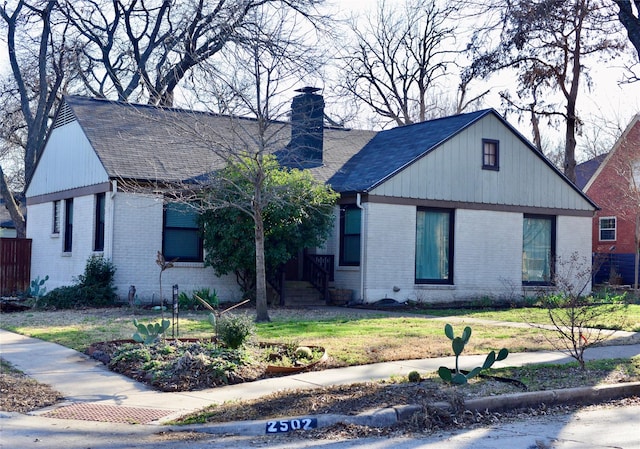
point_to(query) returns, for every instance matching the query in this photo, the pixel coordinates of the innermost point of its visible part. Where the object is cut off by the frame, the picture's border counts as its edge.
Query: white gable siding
(453, 172)
(68, 162)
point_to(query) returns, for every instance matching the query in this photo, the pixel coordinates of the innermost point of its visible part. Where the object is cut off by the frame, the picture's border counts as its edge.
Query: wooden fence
(15, 266)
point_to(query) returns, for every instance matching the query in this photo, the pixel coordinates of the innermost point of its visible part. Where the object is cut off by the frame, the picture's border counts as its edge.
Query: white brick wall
(137, 240)
(390, 251)
(133, 236)
(47, 256)
(487, 254)
(574, 250)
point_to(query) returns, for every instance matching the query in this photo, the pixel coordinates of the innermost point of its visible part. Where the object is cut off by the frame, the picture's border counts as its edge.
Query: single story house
(612, 180)
(455, 208)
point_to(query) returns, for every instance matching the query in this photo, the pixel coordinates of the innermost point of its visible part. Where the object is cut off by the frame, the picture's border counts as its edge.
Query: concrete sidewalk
(92, 392)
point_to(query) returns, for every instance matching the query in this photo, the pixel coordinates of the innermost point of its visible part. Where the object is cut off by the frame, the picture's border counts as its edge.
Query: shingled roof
(391, 150)
(586, 170)
(148, 143)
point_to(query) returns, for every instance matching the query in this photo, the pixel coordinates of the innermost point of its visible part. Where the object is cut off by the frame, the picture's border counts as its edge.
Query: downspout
(363, 245)
(114, 191)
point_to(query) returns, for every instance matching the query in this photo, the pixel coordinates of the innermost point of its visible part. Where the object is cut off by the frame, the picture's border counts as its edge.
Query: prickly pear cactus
(151, 332)
(457, 344)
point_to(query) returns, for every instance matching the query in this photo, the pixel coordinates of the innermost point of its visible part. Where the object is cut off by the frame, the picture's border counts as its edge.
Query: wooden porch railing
(318, 270)
(276, 280)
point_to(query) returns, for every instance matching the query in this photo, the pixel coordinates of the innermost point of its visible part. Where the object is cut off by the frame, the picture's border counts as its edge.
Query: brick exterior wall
(487, 255)
(133, 236)
(611, 190)
(608, 189)
(47, 256)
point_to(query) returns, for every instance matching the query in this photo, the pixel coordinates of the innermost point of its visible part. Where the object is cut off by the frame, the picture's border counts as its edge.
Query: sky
(607, 100)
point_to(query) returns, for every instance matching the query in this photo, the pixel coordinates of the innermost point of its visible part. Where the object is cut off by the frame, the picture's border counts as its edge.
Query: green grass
(627, 319)
(550, 376)
(350, 338)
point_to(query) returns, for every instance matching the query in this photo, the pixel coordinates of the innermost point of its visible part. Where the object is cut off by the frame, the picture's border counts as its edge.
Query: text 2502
(288, 425)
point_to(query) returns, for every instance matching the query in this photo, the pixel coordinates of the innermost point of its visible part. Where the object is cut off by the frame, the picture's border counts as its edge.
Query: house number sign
(288, 425)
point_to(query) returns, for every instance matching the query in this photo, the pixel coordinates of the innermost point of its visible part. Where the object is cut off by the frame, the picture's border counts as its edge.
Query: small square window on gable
(490, 154)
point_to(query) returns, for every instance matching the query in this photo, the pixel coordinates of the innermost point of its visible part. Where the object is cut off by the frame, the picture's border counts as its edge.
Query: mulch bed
(187, 364)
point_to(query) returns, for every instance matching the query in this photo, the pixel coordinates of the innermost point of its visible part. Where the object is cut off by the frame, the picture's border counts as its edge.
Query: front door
(293, 269)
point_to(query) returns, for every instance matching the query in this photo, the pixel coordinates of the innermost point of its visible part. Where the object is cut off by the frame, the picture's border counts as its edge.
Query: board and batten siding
(453, 172)
(69, 162)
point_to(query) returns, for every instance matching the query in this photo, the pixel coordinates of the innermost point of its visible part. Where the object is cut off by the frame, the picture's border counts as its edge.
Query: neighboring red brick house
(614, 185)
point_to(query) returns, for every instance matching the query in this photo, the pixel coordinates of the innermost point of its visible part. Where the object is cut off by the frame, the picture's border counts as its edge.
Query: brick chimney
(307, 128)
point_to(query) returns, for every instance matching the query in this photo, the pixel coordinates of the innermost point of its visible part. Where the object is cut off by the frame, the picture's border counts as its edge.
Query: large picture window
(434, 246)
(181, 238)
(350, 219)
(98, 238)
(538, 249)
(68, 225)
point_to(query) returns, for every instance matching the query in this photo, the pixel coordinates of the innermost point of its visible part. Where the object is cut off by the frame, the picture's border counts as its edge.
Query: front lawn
(627, 319)
(350, 336)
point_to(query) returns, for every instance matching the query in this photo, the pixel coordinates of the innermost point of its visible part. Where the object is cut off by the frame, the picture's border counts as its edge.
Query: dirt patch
(19, 393)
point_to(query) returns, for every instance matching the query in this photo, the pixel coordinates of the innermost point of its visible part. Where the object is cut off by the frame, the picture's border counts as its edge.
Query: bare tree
(628, 16)
(261, 73)
(575, 317)
(138, 50)
(547, 43)
(398, 59)
(144, 48)
(37, 56)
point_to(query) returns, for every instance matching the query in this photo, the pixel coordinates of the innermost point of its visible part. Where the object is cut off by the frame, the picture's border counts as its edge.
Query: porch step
(302, 293)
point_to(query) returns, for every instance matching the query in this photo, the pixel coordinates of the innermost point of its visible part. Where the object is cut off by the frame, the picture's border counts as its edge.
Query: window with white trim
(607, 229)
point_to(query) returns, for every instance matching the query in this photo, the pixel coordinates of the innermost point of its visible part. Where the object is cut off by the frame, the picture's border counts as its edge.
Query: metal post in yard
(175, 331)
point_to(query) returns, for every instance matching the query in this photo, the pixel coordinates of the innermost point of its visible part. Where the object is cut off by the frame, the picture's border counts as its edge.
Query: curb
(386, 417)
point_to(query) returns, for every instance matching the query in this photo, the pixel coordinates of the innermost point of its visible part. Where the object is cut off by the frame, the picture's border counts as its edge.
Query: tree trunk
(630, 22)
(570, 144)
(637, 255)
(572, 120)
(262, 314)
(14, 210)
